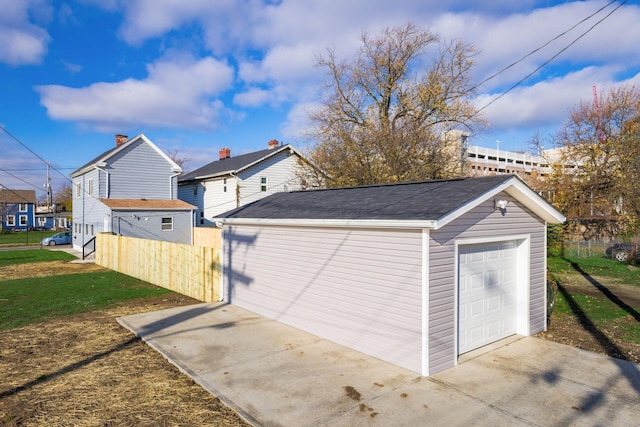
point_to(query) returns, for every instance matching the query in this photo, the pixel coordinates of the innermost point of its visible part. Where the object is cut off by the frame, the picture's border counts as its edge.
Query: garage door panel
(487, 294)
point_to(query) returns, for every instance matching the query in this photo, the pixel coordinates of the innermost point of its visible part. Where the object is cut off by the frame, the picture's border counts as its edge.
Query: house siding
(87, 209)
(482, 222)
(148, 225)
(358, 287)
(280, 171)
(212, 199)
(126, 167)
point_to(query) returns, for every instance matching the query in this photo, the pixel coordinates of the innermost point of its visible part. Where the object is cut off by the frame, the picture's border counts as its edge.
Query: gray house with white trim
(131, 190)
(415, 274)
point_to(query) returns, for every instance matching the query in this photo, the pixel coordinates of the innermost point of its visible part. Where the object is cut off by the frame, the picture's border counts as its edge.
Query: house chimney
(120, 139)
(273, 144)
(225, 153)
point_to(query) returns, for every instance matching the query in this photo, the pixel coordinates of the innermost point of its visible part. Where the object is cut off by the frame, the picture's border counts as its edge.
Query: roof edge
(301, 222)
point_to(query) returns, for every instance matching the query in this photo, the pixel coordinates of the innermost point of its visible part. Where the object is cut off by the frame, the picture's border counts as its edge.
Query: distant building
(17, 209)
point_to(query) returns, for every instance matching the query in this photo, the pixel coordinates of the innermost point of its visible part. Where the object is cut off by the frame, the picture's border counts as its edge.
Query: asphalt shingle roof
(230, 164)
(17, 196)
(428, 200)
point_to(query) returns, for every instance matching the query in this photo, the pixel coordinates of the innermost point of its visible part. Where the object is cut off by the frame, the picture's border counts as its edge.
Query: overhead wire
(554, 56)
(544, 45)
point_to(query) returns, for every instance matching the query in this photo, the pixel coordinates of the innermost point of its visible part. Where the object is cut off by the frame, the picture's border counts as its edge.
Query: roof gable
(234, 165)
(104, 157)
(428, 204)
(17, 196)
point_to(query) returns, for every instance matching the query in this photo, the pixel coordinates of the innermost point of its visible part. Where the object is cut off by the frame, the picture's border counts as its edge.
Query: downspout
(237, 189)
(107, 183)
(171, 184)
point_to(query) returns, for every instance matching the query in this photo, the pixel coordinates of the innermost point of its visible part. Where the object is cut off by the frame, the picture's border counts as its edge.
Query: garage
(414, 274)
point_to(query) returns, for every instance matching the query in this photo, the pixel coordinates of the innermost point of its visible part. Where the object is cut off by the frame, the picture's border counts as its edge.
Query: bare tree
(600, 159)
(384, 113)
(178, 158)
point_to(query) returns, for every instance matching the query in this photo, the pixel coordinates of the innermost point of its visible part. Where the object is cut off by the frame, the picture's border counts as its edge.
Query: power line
(32, 152)
(545, 45)
(20, 179)
(553, 57)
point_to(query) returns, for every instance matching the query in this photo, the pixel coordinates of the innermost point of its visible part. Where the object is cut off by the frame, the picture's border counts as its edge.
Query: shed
(415, 274)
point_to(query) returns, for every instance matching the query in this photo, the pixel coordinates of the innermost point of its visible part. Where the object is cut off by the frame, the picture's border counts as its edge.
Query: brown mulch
(87, 370)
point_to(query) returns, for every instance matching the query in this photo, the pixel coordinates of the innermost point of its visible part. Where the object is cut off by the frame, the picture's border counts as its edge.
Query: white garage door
(487, 294)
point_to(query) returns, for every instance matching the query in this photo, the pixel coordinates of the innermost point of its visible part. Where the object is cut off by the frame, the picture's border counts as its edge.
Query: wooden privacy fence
(195, 271)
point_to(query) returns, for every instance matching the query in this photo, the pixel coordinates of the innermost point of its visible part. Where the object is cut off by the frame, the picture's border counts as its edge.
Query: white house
(231, 182)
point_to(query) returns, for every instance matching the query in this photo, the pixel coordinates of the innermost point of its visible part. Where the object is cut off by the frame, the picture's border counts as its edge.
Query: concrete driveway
(275, 375)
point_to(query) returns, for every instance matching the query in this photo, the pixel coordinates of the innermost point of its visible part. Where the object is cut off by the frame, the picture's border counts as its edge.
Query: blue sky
(198, 75)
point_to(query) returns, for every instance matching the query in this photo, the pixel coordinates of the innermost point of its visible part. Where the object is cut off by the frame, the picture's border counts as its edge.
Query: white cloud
(22, 42)
(546, 102)
(178, 92)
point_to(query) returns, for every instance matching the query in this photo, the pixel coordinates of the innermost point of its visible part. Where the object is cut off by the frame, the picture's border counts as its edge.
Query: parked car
(623, 252)
(62, 238)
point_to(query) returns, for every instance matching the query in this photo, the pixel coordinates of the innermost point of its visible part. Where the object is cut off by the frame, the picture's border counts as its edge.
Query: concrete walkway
(275, 375)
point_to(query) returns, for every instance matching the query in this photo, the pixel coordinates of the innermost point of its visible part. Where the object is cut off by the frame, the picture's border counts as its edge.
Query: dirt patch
(87, 370)
(49, 268)
(583, 333)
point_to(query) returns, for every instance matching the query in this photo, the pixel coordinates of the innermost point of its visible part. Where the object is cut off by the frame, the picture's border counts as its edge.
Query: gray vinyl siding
(139, 171)
(357, 287)
(88, 210)
(482, 222)
(148, 225)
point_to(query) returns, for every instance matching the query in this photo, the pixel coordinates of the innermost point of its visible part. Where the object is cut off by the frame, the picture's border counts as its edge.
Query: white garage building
(414, 274)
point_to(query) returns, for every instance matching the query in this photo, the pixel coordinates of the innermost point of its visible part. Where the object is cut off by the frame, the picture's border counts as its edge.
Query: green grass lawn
(594, 266)
(24, 238)
(601, 311)
(32, 255)
(25, 301)
(31, 300)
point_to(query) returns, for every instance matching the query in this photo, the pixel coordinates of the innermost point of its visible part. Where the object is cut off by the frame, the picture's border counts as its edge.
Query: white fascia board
(214, 175)
(357, 223)
(101, 162)
(174, 166)
(271, 154)
(536, 203)
(518, 190)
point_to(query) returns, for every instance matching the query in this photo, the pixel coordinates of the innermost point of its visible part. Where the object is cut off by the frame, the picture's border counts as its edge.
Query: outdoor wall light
(500, 204)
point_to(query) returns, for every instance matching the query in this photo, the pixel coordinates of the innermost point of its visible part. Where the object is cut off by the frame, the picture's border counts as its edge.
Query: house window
(92, 231)
(201, 217)
(41, 221)
(62, 223)
(167, 224)
(11, 221)
(23, 220)
(77, 189)
(224, 185)
(90, 187)
(263, 183)
(86, 229)
(23, 207)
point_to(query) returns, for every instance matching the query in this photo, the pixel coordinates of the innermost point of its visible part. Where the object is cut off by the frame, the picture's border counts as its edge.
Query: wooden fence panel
(209, 237)
(195, 271)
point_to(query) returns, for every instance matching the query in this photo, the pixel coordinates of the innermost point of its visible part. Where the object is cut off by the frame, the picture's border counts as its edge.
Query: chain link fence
(618, 250)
